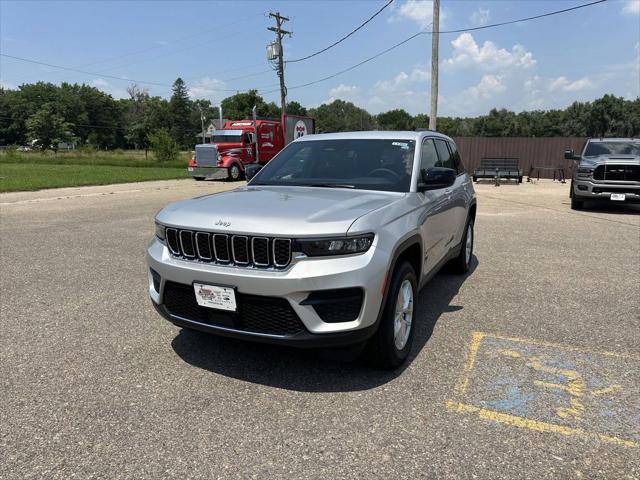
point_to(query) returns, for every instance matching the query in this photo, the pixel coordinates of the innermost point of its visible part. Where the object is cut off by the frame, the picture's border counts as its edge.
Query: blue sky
(219, 47)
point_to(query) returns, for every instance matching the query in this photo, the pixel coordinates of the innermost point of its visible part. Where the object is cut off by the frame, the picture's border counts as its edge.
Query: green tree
(240, 105)
(164, 146)
(136, 129)
(208, 112)
(294, 108)
(397, 119)
(341, 116)
(48, 128)
(181, 128)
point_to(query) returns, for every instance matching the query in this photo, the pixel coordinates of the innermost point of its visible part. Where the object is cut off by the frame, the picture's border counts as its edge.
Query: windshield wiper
(331, 185)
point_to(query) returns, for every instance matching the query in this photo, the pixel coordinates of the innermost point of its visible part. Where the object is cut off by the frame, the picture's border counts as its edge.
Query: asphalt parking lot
(529, 367)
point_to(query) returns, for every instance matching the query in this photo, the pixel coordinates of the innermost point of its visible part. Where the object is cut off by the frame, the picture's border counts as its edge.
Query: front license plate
(190, 169)
(618, 196)
(211, 296)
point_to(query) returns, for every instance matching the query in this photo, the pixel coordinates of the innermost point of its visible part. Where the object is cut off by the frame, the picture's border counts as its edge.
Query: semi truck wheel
(234, 172)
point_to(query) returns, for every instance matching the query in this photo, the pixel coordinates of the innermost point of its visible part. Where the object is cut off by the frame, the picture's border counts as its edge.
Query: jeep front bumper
(293, 285)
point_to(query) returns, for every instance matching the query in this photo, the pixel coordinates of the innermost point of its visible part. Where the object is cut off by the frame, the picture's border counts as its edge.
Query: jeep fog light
(335, 246)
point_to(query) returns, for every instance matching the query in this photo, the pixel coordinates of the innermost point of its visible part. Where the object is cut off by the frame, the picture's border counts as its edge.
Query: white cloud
(418, 11)
(467, 53)
(7, 85)
(631, 7)
(480, 17)
(343, 90)
(100, 83)
(562, 83)
(406, 90)
(489, 86)
(116, 91)
(207, 87)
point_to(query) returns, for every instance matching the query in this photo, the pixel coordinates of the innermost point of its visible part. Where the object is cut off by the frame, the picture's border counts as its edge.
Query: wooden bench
(496, 168)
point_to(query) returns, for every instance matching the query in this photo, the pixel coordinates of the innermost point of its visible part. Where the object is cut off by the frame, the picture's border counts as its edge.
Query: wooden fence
(539, 152)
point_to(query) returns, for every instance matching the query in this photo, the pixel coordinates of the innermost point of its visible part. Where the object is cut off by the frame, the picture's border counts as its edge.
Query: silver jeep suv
(327, 245)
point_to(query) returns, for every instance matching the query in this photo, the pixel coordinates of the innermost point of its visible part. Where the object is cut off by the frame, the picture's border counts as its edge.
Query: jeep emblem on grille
(222, 223)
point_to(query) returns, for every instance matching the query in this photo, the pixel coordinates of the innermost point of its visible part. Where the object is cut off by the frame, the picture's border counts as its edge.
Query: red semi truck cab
(241, 142)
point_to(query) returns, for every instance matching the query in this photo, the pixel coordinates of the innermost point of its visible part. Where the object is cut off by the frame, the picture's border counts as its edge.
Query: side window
(445, 156)
(457, 161)
(428, 155)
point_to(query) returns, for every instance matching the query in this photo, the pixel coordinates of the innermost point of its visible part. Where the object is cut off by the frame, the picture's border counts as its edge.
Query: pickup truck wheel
(391, 344)
(576, 204)
(234, 172)
(462, 262)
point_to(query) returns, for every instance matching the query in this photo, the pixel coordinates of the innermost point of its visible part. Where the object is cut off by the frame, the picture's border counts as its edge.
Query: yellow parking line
(534, 425)
(559, 345)
(476, 339)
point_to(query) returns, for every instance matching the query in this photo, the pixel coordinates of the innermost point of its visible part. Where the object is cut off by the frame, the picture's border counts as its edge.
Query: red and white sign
(300, 130)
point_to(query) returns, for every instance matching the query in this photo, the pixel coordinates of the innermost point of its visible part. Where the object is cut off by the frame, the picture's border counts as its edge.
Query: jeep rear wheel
(462, 263)
(390, 346)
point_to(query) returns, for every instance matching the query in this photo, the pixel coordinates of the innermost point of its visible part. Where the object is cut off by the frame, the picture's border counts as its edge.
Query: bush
(87, 149)
(163, 146)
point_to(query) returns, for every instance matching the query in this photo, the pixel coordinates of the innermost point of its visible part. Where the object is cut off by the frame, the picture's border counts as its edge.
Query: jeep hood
(276, 211)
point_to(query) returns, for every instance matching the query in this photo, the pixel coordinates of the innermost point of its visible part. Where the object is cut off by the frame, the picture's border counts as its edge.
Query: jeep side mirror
(570, 155)
(435, 178)
(251, 170)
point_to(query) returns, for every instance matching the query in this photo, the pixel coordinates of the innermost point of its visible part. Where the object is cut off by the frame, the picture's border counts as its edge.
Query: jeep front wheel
(391, 344)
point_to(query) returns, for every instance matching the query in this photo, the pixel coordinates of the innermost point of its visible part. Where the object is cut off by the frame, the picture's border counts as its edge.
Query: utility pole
(280, 58)
(433, 113)
(202, 119)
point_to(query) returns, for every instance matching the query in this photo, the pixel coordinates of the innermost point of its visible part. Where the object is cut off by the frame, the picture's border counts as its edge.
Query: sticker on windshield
(402, 145)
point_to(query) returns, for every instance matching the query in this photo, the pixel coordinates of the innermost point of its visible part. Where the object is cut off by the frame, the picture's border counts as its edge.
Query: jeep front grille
(624, 173)
(240, 250)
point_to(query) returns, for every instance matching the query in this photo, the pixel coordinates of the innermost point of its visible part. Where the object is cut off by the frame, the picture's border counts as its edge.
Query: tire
(462, 263)
(576, 204)
(519, 179)
(475, 179)
(198, 179)
(234, 172)
(387, 348)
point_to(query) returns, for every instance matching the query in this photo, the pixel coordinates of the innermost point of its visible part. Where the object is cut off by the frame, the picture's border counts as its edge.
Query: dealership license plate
(618, 196)
(211, 296)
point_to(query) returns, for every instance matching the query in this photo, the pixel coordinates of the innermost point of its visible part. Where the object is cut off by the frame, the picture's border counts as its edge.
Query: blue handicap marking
(552, 387)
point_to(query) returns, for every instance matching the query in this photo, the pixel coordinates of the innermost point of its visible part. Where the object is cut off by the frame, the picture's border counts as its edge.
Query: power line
(423, 32)
(178, 40)
(343, 38)
(509, 22)
(94, 74)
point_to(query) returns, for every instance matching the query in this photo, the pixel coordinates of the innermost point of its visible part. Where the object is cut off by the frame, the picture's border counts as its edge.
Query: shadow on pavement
(620, 208)
(313, 370)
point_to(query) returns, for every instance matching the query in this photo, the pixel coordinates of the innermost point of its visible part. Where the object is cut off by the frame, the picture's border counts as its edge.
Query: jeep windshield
(612, 148)
(384, 165)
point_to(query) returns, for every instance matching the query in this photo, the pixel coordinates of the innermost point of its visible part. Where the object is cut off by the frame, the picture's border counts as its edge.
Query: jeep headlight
(160, 232)
(335, 246)
(585, 172)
